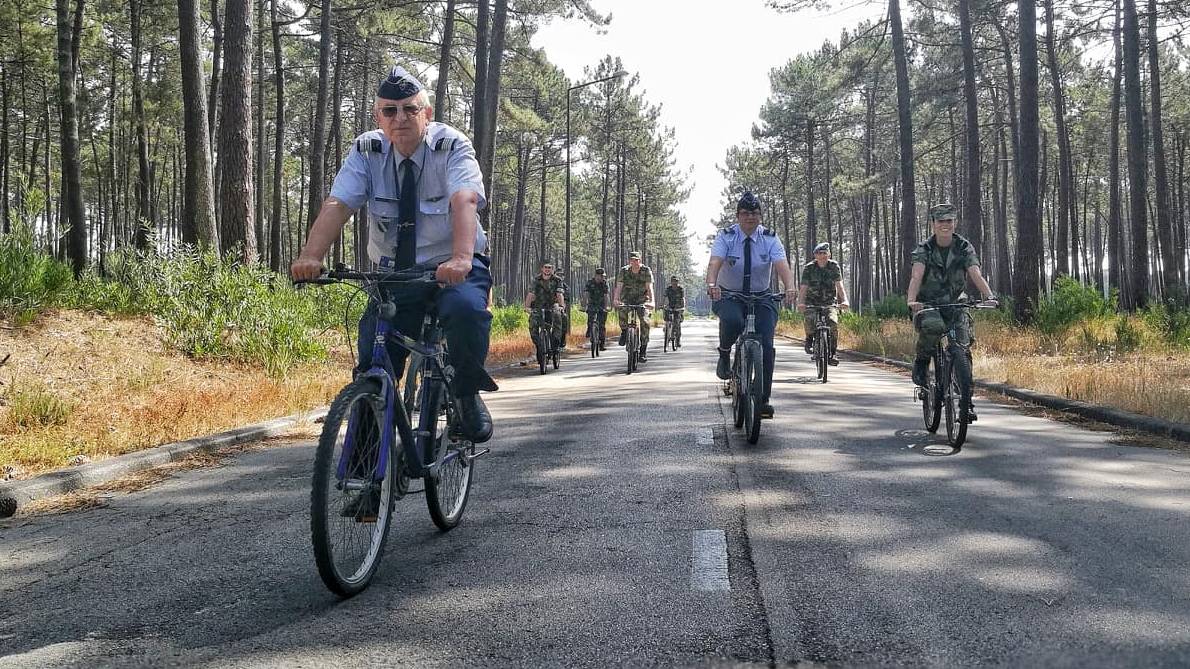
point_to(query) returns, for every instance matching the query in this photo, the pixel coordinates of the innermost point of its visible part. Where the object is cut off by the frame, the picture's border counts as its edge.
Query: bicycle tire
(633, 343)
(960, 397)
(739, 404)
(448, 492)
(677, 335)
(539, 344)
(931, 401)
(554, 357)
(823, 355)
(754, 377)
(330, 521)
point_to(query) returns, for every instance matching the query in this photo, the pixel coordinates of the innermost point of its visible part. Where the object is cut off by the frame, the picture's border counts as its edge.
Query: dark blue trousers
(732, 319)
(463, 312)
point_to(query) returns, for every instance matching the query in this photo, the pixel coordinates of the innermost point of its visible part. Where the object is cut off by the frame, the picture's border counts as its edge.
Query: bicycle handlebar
(413, 275)
(980, 304)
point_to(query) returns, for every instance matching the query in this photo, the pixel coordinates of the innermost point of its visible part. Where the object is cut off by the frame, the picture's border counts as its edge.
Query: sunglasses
(408, 111)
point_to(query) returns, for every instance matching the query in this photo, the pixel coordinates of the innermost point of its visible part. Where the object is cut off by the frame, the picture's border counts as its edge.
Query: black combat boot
(723, 368)
(643, 350)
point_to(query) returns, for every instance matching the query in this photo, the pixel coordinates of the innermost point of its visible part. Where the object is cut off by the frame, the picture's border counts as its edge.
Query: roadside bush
(509, 320)
(1172, 321)
(30, 280)
(892, 306)
(34, 405)
(1069, 303)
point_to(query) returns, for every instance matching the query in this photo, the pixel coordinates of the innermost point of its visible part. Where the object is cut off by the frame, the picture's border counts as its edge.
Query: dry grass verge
(1153, 381)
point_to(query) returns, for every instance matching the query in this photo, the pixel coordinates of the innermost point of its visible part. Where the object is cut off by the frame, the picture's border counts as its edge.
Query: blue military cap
(398, 85)
(822, 247)
(748, 202)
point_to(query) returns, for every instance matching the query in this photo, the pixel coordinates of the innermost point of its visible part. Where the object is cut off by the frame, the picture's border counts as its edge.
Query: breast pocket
(383, 212)
(732, 260)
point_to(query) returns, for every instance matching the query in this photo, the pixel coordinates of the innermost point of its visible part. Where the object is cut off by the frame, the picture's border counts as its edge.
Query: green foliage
(30, 281)
(34, 405)
(509, 320)
(1172, 321)
(863, 324)
(892, 306)
(1128, 336)
(1071, 302)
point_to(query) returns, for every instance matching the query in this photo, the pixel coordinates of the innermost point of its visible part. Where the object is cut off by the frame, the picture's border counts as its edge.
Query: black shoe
(833, 361)
(971, 417)
(643, 351)
(364, 507)
(475, 419)
(723, 368)
(921, 372)
(602, 346)
(766, 410)
(623, 338)
(809, 346)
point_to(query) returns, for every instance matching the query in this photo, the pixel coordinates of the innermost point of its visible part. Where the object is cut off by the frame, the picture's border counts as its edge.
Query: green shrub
(860, 325)
(892, 306)
(1069, 303)
(1172, 320)
(509, 320)
(1128, 336)
(30, 280)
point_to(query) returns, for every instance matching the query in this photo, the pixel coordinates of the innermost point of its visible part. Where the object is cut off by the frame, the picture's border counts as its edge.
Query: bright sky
(689, 53)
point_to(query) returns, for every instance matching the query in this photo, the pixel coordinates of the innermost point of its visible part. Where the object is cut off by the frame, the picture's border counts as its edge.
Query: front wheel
(754, 380)
(958, 398)
(822, 354)
(666, 339)
(739, 388)
(447, 492)
(351, 494)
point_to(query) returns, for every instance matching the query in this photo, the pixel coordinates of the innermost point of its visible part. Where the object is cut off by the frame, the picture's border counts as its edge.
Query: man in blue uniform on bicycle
(422, 187)
(742, 259)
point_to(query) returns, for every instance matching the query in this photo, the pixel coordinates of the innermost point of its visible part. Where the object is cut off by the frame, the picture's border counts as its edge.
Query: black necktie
(407, 218)
(747, 264)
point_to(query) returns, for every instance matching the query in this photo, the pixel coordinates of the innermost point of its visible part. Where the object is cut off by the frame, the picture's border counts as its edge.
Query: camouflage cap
(822, 247)
(944, 211)
(673, 279)
(600, 271)
(634, 254)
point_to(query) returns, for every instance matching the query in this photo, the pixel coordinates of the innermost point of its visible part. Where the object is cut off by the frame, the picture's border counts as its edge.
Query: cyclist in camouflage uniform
(675, 302)
(634, 285)
(941, 266)
(546, 290)
(595, 303)
(821, 287)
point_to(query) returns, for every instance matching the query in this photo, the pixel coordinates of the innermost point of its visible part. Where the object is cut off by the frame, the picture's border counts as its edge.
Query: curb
(15, 494)
(1118, 417)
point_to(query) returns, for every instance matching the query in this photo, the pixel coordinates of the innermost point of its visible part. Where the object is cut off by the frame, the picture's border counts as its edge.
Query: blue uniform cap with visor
(398, 85)
(748, 202)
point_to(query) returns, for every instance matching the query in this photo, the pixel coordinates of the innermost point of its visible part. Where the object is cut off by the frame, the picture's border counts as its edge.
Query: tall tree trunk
(72, 195)
(198, 211)
(235, 134)
(908, 237)
(318, 138)
(448, 32)
(483, 22)
(278, 141)
(1115, 229)
(261, 136)
(487, 158)
(811, 212)
(144, 223)
(972, 209)
(1169, 260)
(1065, 187)
(1026, 274)
(1137, 159)
(216, 70)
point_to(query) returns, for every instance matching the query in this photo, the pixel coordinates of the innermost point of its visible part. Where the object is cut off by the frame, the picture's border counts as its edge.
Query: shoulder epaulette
(366, 145)
(441, 143)
(770, 233)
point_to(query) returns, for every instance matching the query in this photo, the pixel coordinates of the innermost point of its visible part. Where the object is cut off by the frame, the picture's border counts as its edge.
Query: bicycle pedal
(468, 457)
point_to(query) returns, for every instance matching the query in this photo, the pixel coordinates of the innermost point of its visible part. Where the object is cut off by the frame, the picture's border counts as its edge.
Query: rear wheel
(931, 399)
(350, 500)
(447, 491)
(754, 378)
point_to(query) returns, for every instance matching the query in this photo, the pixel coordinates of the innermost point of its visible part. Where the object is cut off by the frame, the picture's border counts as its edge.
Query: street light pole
(617, 75)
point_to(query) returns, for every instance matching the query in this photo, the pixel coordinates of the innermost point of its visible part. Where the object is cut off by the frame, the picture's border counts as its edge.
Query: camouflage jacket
(675, 296)
(634, 286)
(596, 294)
(820, 282)
(944, 280)
(545, 291)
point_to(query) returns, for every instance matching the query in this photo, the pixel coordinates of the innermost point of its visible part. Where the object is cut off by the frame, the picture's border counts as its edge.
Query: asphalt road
(620, 521)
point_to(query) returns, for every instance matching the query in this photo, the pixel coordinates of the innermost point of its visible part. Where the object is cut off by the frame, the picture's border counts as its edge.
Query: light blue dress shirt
(445, 163)
(729, 245)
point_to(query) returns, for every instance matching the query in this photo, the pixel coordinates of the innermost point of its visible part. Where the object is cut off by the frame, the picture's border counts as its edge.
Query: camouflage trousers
(642, 317)
(811, 320)
(931, 325)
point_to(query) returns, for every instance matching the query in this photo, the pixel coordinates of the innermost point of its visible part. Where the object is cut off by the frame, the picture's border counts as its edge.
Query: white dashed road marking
(708, 569)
